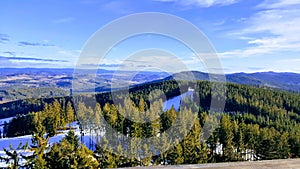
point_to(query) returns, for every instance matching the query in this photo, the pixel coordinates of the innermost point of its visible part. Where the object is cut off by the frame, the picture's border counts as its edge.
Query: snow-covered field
(15, 142)
(5, 120)
(2, 121)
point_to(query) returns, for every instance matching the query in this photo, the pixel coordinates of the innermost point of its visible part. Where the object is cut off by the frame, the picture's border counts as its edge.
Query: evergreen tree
(175, 155)
(104, 155)
(82, 118)
(283, 146)
(69, 113)
(14, 155)
(40, 143)
(68, 153)
(147, 156)
(226, 139)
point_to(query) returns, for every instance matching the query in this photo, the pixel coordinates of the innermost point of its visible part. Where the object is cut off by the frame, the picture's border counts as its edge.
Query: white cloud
(143, 61)
(240, 53)
(201, 3)
(146, 61)
(267, 4)
(275, 28)
(295, 61)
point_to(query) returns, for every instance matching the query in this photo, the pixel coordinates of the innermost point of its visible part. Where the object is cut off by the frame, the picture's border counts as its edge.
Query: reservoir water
(175, 101)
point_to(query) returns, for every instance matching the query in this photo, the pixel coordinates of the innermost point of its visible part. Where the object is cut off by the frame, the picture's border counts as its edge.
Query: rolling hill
(284, 81)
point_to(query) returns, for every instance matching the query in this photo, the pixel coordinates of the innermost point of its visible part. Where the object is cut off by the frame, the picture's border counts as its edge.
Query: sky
(247, 35)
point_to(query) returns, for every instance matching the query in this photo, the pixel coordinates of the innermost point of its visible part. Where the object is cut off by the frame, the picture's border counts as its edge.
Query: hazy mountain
(285, 80)
(37, 82)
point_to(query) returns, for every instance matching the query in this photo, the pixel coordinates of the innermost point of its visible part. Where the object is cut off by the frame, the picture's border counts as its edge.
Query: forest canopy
(256, 124)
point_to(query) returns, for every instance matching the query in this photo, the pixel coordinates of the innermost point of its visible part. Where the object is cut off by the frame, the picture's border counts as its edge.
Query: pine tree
(283, 146)
(59, 115)
(194, 150)
(54, 157)
(85, 159)
(14, 155)
(68, 153)
(40, 143)
(119, 158)
(175, 155)
(97, 121)
(82, 119)
(294, 142)
(268, 138)
(105, 157)
(212, 143)
(147, 155)
(69, 113)
(91, 125)
(164, 146)
(252, 136)
(239, 130)
(226, 138)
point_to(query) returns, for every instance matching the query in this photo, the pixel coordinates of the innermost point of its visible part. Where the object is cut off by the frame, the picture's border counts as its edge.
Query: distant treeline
(32, 92)
(239, 98)
(13, 108)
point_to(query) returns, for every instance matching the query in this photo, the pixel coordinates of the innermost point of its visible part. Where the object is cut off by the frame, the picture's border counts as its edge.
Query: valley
(25, 83)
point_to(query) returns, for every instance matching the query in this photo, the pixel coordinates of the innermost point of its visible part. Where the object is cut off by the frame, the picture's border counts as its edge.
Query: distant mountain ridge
(15, 78)
(285, 80)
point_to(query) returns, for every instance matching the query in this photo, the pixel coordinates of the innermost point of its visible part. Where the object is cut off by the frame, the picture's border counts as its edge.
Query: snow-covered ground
(15, 141)
(2, 121)
(5, 120)
(3, 164)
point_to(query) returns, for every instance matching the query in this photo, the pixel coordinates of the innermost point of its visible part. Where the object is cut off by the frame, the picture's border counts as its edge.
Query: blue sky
(248, 35)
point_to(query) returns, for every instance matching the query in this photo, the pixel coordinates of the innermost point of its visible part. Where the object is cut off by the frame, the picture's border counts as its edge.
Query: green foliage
(14, 155)
(68, 153)
(23, 93)
(53, 117)
(256, 122)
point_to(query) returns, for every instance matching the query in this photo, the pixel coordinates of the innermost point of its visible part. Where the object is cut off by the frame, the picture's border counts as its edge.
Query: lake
(175, 101)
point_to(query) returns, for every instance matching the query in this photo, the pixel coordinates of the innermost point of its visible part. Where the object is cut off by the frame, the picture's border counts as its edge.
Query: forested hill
(240, 98)
(256, 124)
(285, 81)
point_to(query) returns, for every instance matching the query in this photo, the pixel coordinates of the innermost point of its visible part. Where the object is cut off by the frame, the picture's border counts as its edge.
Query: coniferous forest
(255, 124)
